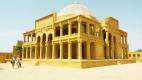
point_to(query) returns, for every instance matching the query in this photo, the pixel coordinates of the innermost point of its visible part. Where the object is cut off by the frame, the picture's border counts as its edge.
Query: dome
(75, 9)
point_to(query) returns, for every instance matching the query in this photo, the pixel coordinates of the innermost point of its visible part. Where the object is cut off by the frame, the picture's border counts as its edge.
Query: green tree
(139, 50)
(18, 49)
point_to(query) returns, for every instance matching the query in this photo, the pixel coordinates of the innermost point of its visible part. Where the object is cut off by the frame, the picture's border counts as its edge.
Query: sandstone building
(135, 55)
(74, 35)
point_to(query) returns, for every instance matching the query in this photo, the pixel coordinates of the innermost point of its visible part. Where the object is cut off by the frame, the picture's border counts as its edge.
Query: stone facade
(75, 34)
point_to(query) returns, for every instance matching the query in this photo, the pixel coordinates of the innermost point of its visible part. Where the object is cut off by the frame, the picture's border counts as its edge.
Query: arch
(43, 45)
(38, 46)
(44, 37)
(110, 46)
(104, 34)
(105, 48)
(50, 38)
(38, 39)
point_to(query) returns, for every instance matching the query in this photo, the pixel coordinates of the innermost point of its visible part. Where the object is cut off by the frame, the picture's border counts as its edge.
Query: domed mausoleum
(75, 38)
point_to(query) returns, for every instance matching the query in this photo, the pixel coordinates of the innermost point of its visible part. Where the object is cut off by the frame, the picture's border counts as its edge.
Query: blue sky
(17, 16)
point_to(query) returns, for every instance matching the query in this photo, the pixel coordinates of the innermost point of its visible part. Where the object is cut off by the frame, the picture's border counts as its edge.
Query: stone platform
(77, 63)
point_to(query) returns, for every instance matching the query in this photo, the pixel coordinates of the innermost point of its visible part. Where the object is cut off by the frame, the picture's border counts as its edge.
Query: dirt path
(28, 72)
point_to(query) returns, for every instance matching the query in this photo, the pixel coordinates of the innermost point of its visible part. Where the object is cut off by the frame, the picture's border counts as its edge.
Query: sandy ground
(28, 72)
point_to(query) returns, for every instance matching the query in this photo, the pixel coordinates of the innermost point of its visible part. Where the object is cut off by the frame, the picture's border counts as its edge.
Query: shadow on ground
(1, 69)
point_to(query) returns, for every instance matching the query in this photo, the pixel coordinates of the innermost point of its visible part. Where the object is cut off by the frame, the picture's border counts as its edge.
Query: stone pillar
(26, 52)
(28, 38)
(69, 28)
(79, 27)
(46, 51)
(53, 51)
(88, 50)
(31, 38)
(35, 51)
(24, 38)
(107, 45)
(112, 48)
(61, 29)
(123, 53)
(69, 50)
(88, 29)
(126, 53)
(23, 52)
(126, 40)
(41, 46)
(31, 48)
(61, 50)
(79, 49)
(123, 40)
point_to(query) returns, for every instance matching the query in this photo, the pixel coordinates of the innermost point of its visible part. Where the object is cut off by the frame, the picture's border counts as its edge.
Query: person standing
(19, 61)
(13, 60)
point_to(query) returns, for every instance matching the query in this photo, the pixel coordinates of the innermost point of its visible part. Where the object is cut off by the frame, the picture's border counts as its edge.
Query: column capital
(69, 22)
(69, 42)
(88, 41)
(80, 41)
(61, 25)
(41, 45)
(78, 19)
(35, 45)
(53, 43)
(61, 42)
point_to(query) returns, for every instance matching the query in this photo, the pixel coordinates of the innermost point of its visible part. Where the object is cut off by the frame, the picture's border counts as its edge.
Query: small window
(129, 55)
(134, 55)
(138, 55)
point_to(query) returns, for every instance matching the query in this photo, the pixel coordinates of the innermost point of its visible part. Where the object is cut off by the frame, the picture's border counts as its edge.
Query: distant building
(4, 56)
(135, 55)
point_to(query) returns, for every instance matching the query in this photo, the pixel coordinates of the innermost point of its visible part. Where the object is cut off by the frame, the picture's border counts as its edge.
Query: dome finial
(75, 2)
